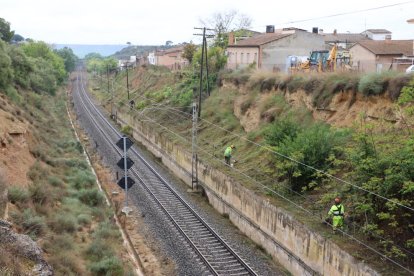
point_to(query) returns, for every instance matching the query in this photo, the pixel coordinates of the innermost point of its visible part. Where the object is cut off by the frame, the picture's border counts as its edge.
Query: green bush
(374, 84)
(55, 181)
(32, 224)
(313, 146)
(91, 197)
(107, 266)
(127, 130)
(18, 194)
(81, 179)
(84, 219)
(106, 231)
(281, 130)
(12, 93)
(98, 250)
(63, 222)
(39, 193)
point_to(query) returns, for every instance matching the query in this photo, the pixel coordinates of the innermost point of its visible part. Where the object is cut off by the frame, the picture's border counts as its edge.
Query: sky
(155, 22)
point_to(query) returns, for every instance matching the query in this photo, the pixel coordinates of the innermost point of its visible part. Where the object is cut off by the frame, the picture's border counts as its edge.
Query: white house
(377, 34)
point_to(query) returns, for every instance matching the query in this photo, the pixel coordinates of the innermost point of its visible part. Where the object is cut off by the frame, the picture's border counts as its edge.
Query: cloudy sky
(154, 22)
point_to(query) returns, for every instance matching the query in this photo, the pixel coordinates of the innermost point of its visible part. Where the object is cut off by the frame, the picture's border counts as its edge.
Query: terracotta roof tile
(389, 47)
(258, 40)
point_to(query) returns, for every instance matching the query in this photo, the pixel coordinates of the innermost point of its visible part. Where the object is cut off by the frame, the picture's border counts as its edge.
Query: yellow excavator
(327, 61)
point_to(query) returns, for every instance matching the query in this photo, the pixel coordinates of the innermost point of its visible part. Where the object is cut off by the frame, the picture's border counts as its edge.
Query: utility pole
(197, 108)
(127, 81)
(194, 160)
(107, 75)
(203, 56)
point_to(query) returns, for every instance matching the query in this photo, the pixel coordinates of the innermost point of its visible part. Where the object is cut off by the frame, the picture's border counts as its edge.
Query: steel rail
(210, 264)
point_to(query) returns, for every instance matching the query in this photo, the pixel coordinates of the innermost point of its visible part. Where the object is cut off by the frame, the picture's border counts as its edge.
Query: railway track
(217, 257)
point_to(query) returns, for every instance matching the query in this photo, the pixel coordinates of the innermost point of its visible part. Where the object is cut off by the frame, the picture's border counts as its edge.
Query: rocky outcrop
(25, 247)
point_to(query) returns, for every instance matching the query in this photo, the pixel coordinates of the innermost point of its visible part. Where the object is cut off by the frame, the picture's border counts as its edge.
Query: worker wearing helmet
(337, 213)
(227, 154)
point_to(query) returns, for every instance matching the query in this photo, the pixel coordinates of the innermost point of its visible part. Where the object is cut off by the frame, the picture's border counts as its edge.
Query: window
(241, 58)
(255, 58)
(248, 58)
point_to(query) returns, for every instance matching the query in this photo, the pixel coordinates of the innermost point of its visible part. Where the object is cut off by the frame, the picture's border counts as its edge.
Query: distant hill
(81, 49)
(137, 50)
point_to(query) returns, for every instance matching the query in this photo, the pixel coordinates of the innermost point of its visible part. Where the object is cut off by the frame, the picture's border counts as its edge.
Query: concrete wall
(274, 54)
(288, 241)
(362, 59)
(241, 57)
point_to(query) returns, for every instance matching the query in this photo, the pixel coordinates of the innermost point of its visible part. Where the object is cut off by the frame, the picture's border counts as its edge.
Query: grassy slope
(62, 208)
(157, 86)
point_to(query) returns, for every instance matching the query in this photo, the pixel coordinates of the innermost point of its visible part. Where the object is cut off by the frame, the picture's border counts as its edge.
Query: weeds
(18, 194)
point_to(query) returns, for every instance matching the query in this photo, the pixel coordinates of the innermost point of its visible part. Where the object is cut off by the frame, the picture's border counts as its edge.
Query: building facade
(270, 51)
(380, 55)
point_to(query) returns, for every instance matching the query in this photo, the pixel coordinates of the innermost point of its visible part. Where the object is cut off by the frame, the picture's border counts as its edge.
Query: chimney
(270, 29)
(231, 38)
(315, 30)
(335, 32)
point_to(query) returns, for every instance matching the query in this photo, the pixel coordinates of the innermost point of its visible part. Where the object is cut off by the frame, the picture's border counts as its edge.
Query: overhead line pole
(197, 108)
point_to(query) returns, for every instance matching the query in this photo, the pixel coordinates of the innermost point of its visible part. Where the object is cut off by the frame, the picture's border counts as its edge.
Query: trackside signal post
(125, 164)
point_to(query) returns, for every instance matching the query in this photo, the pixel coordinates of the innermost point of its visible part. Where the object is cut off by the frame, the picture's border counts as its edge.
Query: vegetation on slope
(61, 207)
(375, 157)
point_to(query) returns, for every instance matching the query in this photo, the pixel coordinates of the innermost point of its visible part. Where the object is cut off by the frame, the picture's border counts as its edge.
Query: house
(343, 40)
(379, 55)
(270, 50)
(171, 58)
(377, 34)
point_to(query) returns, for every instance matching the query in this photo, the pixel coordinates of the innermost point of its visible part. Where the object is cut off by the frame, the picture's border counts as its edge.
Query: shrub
(82, 179)
(281, 130)
(107, 266)
(84, 219)
(106, 231)
(63, 222)
(396, 85)
(91, 197)
(374, 84)
(127, 130)
(17, 194)
(313, 146)
(65, 263)
(99, 249)
(55, 181)
(32, 224)
(37, 172)
(39, 193)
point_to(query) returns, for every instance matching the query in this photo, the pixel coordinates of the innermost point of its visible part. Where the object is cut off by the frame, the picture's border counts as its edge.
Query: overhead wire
(287, 199)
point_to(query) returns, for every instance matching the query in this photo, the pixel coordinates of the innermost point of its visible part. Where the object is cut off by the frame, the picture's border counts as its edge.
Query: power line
(347, 13)
(292, 202)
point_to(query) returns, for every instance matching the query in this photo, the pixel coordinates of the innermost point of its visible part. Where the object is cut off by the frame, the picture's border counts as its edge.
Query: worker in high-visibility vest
(227, 154)
(337, 212)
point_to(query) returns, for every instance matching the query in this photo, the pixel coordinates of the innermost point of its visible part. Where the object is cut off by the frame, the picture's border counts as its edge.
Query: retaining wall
(291, 243)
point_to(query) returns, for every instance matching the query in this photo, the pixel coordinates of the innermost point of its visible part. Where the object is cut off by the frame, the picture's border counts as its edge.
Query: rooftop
(378, 31)
(388, 47)
(260, 39)
(344, 37)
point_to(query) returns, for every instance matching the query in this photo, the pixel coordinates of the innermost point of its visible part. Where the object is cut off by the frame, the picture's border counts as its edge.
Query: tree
(6, 73)
(225, 22)
(168, 43)
(69, 58)
(17, 38)
(5, 33)
(188, 52)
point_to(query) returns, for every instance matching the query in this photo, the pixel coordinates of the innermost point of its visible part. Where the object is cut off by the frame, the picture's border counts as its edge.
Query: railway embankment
(298, 248)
